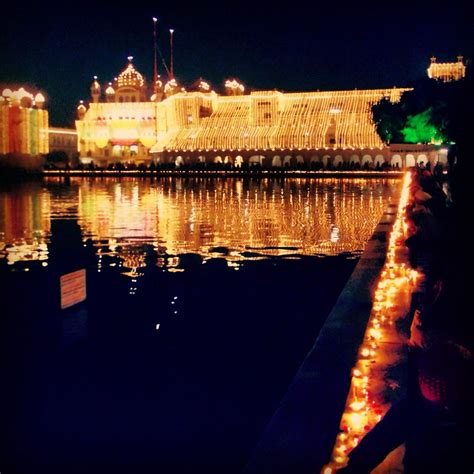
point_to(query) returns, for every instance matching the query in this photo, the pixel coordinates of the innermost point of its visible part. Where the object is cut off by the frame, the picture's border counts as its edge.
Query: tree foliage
(389, 121)
(433, 112)
(421, 128)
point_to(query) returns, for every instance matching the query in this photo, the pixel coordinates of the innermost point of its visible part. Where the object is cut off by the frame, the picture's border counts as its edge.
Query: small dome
(204, 86)
(170, 85)
(234, 85)
(110, 90)
(130, 76)
(7, 93)
(39, 98)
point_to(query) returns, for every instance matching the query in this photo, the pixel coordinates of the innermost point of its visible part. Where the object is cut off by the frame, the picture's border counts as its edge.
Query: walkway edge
(300, 436)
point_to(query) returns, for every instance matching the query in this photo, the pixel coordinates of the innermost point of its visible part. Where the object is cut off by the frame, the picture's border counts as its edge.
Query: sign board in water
(73, 288)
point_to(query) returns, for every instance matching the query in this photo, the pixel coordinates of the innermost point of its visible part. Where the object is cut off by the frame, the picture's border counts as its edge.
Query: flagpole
(171, 54)
(155, 67)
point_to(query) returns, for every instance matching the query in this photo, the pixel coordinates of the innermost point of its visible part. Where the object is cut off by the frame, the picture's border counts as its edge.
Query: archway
(276, 161)
(326, 159)
(256, 160)
(299, 160)
(179, 161)
(422, 159)
(367, 161)
(337, 161)
(410, 160)
(443, 156)
(201, 159)
(217, 159)
(354, 159)
(314, 162)
(396, 161)
(116, 151)
(379, 161)
(228, 160)
(287, 161)
(239, 161)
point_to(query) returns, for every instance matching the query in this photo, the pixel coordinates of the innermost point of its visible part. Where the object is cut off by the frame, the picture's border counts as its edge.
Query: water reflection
(176, 371)
(24, 224)
(130, 219)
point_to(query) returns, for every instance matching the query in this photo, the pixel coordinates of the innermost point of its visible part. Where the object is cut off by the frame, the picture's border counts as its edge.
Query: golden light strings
(261, 121)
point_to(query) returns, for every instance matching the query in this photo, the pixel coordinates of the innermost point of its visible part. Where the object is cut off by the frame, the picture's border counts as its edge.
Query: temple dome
(130, 76)
(39, 98)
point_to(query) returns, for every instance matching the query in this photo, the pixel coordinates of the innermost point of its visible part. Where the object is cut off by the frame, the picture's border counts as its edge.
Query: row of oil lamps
(364, 406)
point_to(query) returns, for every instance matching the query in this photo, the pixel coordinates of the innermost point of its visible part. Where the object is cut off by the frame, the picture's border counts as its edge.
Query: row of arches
(283, 161)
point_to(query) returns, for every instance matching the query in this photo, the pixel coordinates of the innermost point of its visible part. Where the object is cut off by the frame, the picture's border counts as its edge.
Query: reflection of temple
(263, 217)
(24, 224)
(137, 223)
(127, 125)
(447, 72)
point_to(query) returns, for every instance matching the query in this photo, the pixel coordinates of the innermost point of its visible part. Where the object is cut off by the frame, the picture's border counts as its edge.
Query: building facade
(23, 122)
(447, 72)
(265, 128)
(63, 139)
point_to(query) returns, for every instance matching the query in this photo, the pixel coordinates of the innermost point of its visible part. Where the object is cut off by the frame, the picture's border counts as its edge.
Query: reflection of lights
(334, 233)
(23, 252)
(125, 215)
(223, 217)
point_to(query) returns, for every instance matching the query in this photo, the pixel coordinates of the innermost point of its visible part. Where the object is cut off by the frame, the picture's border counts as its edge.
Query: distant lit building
(121, 128)
(63, 139)
(23, 122)
(447, 72)
(121, 124)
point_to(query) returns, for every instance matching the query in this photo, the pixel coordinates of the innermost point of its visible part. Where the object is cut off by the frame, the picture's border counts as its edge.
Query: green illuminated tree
(432, 111)
(420, 128)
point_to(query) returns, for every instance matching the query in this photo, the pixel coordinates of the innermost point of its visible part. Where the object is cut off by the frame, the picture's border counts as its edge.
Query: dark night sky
(300, 46)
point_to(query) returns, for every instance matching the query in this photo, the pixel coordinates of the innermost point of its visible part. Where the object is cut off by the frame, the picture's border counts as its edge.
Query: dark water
(204, 297)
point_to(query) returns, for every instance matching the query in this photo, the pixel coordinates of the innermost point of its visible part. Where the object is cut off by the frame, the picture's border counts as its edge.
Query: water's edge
(224, 173)
(300, 435)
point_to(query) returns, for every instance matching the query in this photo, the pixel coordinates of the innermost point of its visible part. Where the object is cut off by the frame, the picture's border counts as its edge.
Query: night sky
(297, 47)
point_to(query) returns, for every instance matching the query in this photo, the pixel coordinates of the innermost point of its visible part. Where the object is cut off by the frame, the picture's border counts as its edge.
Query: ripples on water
(236, 218)
(176, 361)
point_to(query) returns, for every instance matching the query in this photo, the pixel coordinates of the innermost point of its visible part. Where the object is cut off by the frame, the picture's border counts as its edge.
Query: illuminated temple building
(23, 122)
(447, 72)
(267, 128)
